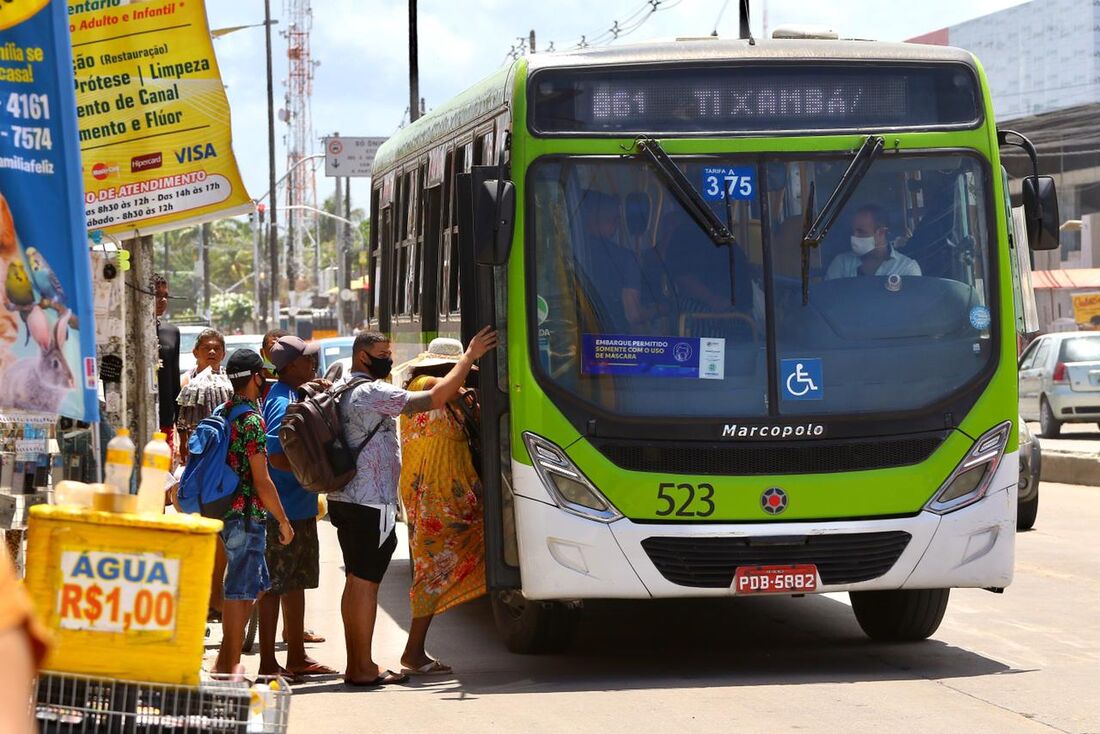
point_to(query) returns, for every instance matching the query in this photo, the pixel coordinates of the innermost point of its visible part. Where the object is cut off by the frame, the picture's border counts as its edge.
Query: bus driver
(872, 253)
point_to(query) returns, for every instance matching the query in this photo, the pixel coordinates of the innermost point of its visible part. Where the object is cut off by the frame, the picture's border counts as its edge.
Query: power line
(616, 30)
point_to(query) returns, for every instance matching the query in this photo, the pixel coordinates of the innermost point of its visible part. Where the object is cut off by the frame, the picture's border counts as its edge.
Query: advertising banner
(154, 119)
(1086, 310)
(47, 334)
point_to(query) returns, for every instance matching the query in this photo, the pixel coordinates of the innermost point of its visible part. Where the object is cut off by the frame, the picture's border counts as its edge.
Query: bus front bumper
(563, 556)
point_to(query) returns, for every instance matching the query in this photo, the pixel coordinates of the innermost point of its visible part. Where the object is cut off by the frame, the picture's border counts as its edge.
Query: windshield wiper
(685, 193)
(814, 232)
(694, 204)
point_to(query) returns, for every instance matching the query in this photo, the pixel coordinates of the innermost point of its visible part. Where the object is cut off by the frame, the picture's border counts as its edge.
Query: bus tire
(530, 627)
(1026, 512)
(901, 615)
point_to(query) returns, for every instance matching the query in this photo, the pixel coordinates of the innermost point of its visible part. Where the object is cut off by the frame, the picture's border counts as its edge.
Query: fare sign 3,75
(104, 591)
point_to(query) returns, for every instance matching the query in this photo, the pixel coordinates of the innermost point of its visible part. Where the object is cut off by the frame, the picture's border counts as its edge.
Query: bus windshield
(640, 313)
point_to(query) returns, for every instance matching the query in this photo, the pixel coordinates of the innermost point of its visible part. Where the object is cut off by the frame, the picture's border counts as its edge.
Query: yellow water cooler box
(126, 595)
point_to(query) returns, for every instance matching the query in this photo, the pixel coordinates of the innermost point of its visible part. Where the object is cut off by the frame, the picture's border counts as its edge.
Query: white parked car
(1060, 380)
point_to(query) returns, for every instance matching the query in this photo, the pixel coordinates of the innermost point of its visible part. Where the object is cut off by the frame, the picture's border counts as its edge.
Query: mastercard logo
(103, 170)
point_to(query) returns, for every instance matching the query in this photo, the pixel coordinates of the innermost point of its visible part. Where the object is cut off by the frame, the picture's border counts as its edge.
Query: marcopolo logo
(146, 162)
(801, 430)
(773, 500)
(103, 171)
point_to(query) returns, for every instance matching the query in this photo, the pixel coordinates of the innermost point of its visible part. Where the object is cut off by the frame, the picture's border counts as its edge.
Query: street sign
(350, 156)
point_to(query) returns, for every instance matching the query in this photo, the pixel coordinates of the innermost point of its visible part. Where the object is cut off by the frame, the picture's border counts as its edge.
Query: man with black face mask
(364, 511)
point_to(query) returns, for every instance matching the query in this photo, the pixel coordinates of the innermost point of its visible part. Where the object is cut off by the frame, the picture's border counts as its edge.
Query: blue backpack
(208, 485)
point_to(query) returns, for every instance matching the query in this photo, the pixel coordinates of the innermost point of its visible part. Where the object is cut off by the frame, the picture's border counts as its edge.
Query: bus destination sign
(753, 99)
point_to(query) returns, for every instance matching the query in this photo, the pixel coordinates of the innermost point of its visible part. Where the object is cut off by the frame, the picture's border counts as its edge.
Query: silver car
(1060, 381)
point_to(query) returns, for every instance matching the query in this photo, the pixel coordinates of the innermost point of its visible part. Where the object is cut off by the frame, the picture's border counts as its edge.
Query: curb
(1062, 468)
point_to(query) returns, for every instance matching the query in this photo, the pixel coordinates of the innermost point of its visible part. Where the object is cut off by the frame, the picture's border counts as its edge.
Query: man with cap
(244, 531)
(294, 567)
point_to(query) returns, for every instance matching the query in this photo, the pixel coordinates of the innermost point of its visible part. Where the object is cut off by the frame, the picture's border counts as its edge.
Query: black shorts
(357, 530)
(295, 566)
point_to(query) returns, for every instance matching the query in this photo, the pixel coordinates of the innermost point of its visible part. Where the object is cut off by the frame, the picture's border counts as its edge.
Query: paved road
(1024, 661)
(1076, 438)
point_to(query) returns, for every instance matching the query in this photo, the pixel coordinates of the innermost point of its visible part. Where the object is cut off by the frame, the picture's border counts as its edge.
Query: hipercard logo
(146, 162)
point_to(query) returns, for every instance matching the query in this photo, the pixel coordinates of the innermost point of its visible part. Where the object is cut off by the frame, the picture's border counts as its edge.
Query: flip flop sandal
(388, 678)
(309, 636)
(315, 669)
(289, 677)
(433, 668)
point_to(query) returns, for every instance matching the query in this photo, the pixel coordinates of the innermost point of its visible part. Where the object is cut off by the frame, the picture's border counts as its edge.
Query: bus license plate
(775, 579)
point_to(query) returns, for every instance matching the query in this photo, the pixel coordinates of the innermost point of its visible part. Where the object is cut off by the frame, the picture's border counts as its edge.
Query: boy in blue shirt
(294, 567)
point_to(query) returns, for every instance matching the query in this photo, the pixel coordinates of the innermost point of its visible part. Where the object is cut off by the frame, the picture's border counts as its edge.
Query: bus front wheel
(531, 627)
(902, 615)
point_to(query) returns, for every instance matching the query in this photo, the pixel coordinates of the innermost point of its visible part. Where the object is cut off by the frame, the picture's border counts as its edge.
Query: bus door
(483, 285)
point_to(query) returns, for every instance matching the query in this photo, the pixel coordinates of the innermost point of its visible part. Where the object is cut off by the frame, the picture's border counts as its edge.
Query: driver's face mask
(862, 245)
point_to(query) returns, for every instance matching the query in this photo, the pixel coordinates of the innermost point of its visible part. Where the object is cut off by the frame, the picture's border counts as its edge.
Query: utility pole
(414, 67)
(273, 231)
(204, 243)
(291, 275)
(200, 272)
(347, 248)
(256, 220)
(339, 207)
(262, 292)
(743, 13)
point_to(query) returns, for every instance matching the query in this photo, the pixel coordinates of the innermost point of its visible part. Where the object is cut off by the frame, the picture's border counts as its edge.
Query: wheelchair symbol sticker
(801, 379)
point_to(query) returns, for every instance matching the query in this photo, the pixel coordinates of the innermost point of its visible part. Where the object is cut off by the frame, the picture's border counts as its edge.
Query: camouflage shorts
(295, 566)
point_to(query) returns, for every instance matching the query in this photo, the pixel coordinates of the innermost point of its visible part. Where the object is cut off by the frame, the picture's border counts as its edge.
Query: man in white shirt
(872, 253)
(363, 511)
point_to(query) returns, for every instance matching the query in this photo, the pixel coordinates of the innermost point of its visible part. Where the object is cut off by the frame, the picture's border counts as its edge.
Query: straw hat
(442, 350)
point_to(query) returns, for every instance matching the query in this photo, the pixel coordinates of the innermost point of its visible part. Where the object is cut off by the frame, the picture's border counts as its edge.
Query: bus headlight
(971, 478)
(565, 482)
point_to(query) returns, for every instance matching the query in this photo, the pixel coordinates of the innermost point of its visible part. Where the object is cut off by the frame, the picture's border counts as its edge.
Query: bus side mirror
(1041, 212)
(494, 210)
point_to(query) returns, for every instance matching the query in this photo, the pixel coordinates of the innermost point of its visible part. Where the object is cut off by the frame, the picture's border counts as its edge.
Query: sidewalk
(1074, 458)
(311, 713)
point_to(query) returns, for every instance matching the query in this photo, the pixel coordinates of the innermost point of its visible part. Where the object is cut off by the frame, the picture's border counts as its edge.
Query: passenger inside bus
(682, 284)
(604, 260)
(871, 253)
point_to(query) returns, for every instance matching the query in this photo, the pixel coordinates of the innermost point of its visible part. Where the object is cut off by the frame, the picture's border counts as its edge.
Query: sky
(361, 83)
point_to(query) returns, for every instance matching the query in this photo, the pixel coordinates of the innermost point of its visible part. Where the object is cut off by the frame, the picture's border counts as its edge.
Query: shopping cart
(73, 704)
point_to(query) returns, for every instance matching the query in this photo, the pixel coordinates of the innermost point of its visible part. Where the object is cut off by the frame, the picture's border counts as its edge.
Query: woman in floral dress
(441, 493)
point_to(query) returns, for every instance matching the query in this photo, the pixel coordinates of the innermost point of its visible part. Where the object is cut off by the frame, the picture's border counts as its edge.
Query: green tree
(230, 311)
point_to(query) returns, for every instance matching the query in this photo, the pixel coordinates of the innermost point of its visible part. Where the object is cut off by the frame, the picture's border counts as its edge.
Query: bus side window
(417, 269)
(488, 155)
(375, 261)
(448, 234)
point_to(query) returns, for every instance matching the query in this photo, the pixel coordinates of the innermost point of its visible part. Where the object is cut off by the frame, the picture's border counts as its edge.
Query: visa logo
(196, 153)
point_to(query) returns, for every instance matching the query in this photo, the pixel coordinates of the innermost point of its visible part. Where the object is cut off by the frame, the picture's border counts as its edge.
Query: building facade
(1039, 57)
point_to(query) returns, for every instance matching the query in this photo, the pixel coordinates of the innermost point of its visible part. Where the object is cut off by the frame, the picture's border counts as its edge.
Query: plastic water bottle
(120, 462)
(156, 467)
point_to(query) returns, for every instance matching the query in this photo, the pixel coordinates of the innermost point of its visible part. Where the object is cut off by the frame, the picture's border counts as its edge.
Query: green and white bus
(759, 314)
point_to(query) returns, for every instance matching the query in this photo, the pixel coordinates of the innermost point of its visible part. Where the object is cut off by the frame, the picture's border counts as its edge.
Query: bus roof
(715, 49)
(481, 100)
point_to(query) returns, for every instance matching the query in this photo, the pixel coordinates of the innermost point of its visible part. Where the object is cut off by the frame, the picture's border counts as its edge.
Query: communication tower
(301, 186)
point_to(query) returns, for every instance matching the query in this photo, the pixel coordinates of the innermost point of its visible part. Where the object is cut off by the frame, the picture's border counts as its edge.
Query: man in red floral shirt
(245, 531)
